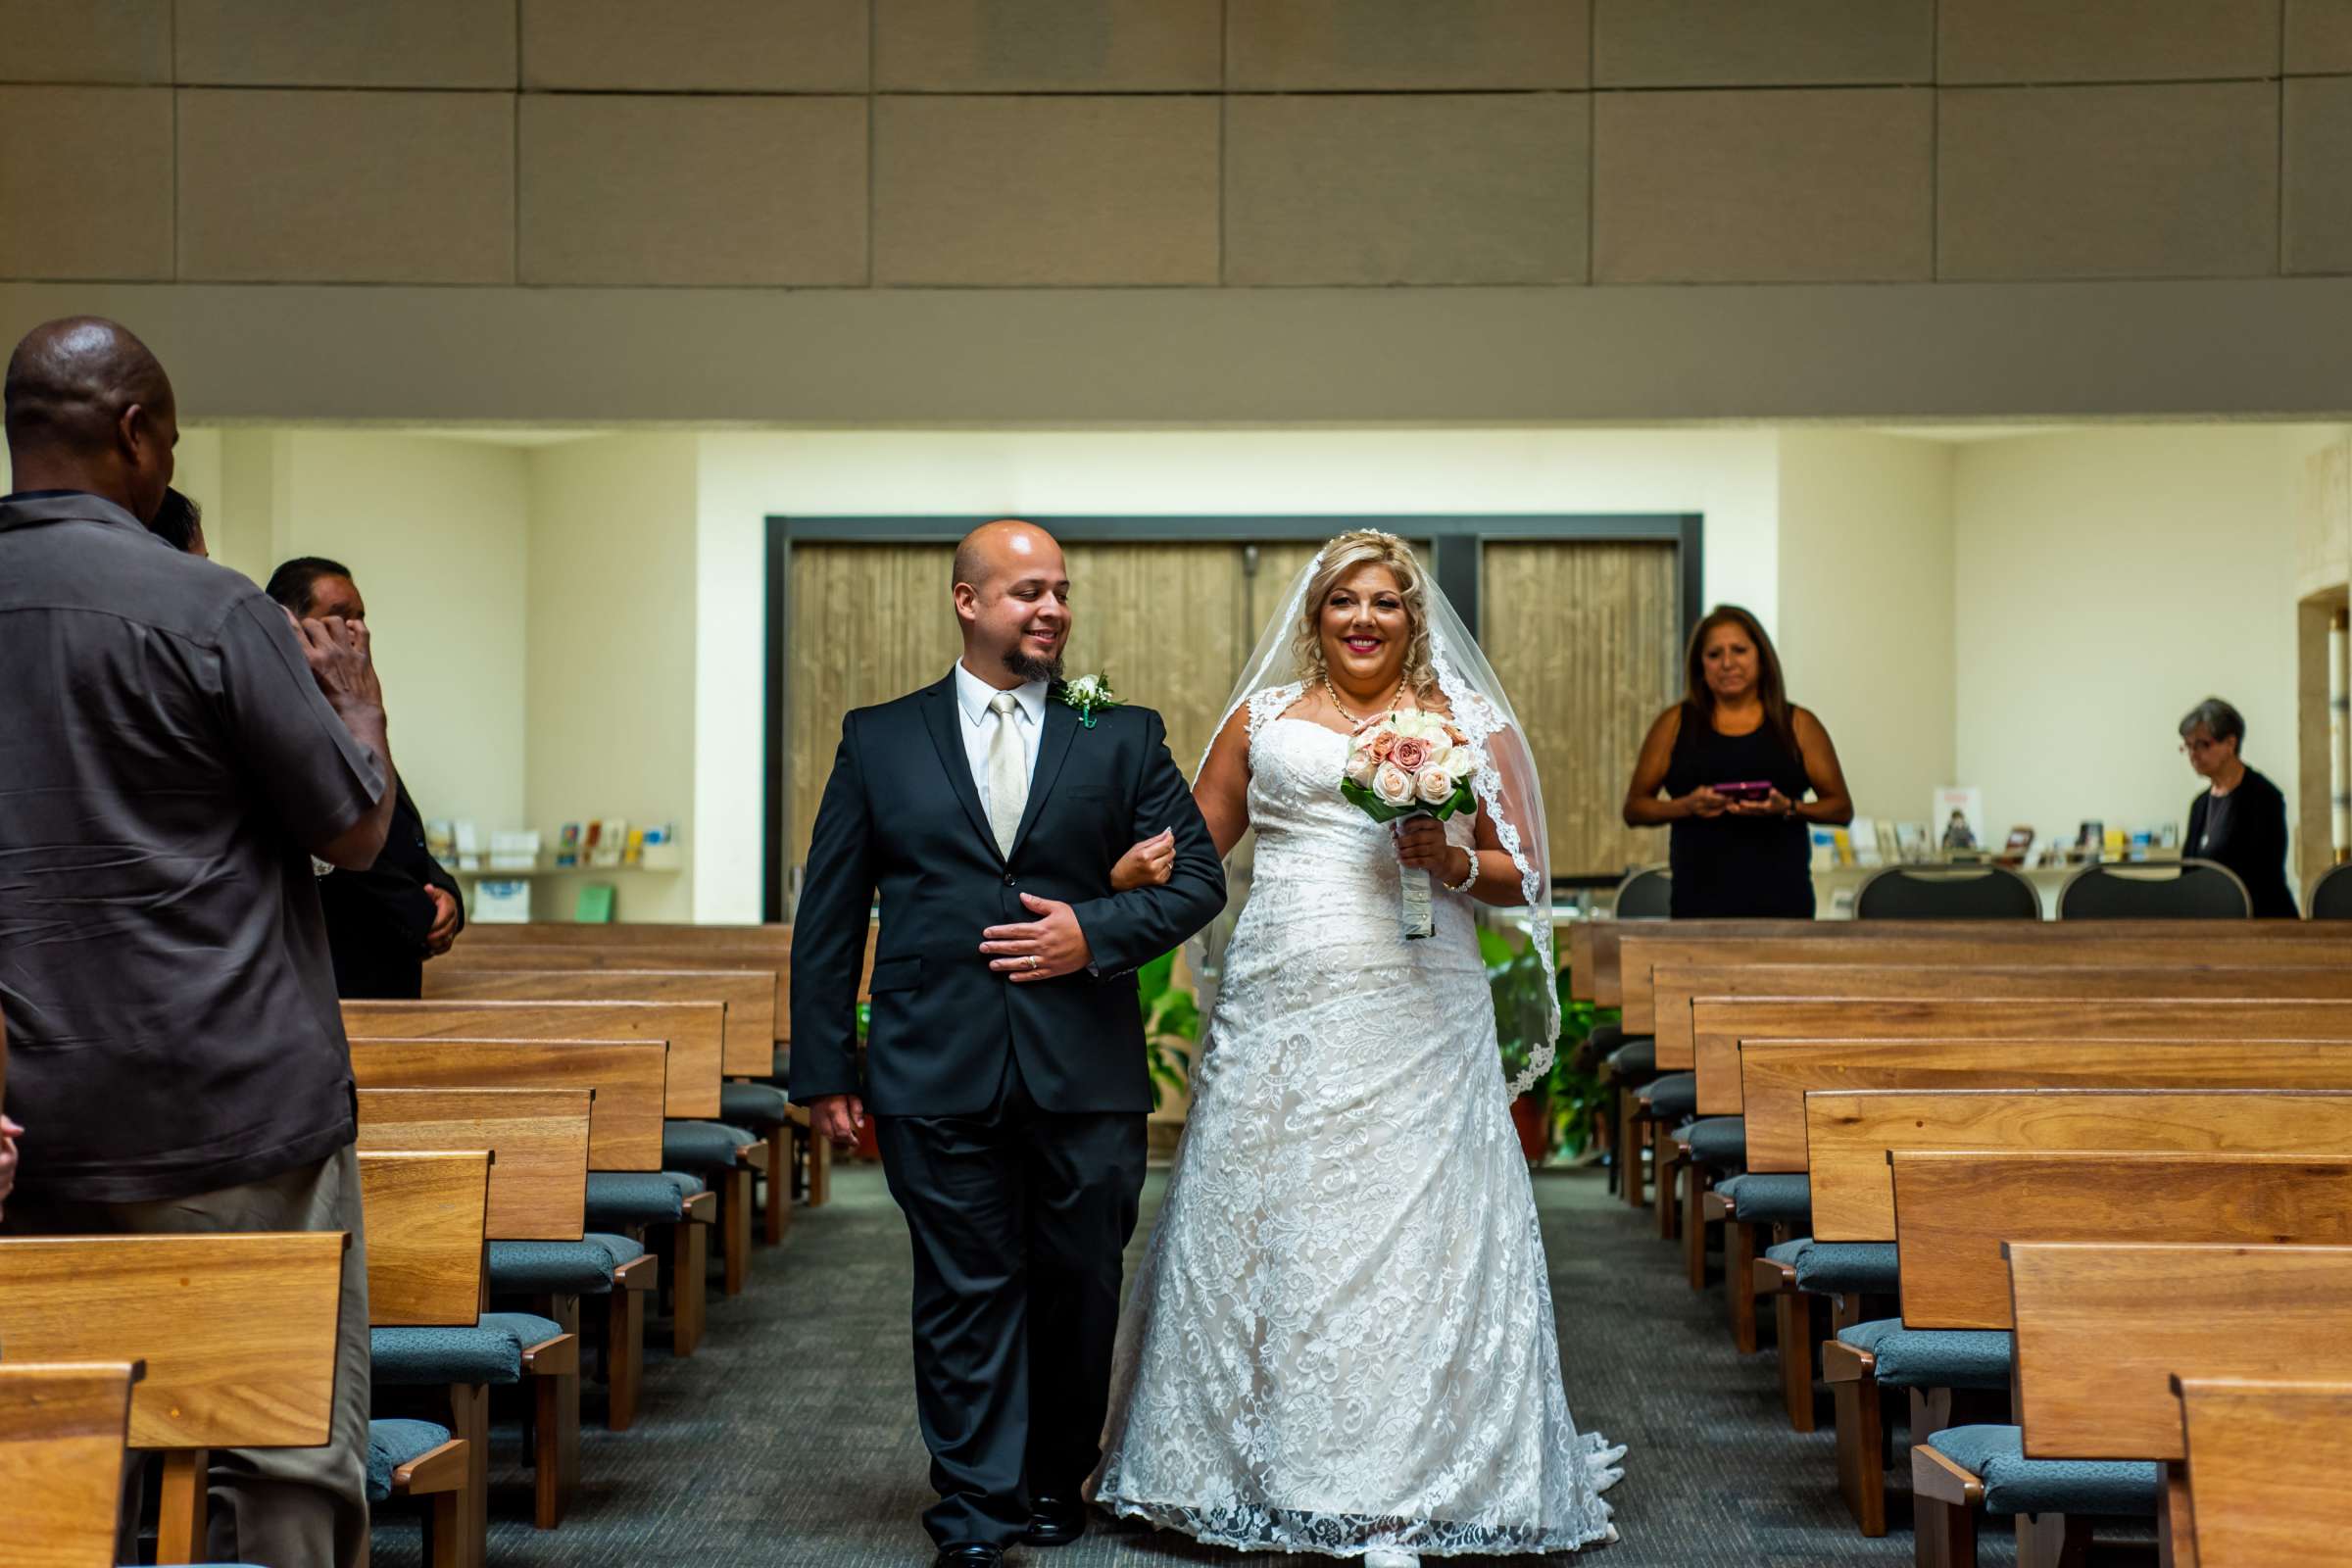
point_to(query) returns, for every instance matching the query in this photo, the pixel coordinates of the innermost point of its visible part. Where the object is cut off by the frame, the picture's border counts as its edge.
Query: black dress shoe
(1054, 1521)
(970, 1554)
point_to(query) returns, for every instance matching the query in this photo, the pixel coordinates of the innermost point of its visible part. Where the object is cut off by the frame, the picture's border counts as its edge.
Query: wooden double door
(1583, 634)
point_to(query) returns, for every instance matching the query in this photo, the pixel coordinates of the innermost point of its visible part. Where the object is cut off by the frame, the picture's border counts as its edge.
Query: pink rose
(1393, 785)
(1412, 753)
(1360, 766)
(1383, 742)
(1434, 786)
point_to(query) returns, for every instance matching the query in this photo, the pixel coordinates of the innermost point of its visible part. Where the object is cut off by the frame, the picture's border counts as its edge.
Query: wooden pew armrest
(1935, 1475)
(753, 1155)
(638, 1274)
(1771, 1277)
(1713, 1206)
(798, 1115)
(701, 1209)
(442, 1469)
(1840, 1362)
(553, 1358)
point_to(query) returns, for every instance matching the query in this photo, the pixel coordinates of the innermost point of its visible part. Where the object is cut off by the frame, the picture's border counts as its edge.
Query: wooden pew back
(538, 1143)
(1852, 1133)
(1775, 1075)
(2094, 973)
(2103, 1330)
(61, 1460)
(1723, 1025)
(2265, 1468)
(625, 1076)
(696, 1032)
(424, 1214)
(748, 995)
(238, 1330)
(1959, 942)
(1953, 1210)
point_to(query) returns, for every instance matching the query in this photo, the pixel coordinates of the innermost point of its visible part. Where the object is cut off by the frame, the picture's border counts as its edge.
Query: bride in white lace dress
(1342, 1337)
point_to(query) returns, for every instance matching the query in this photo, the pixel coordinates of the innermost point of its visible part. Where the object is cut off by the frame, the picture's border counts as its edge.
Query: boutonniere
(1089, 695)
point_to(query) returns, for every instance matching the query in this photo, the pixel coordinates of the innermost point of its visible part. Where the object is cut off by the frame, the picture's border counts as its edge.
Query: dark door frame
(1456, 544)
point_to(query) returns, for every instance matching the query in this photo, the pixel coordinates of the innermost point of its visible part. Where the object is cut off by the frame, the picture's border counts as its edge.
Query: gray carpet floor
(791, 1438)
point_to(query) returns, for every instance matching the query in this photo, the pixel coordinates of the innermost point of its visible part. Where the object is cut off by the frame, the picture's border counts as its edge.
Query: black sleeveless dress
(1735, 867)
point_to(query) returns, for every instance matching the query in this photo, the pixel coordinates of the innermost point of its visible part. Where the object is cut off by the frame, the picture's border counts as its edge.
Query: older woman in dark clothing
(2240, 821)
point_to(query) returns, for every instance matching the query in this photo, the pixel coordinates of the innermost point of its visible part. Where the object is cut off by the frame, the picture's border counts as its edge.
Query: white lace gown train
(1342, 1337)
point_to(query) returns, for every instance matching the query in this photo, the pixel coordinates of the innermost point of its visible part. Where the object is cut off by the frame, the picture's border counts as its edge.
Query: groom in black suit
(1005, 1055)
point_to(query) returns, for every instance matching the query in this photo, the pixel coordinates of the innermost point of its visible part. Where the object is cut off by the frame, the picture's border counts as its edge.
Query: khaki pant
(275, 1507)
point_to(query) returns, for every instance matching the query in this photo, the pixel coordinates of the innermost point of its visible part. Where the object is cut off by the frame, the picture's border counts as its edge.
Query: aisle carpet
(790, 1440)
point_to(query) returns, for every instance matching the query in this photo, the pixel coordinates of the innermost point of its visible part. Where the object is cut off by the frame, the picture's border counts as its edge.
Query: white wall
(610, 727)
(1866, 607)
(1727, 474)
(435, 533)
(2107, 581)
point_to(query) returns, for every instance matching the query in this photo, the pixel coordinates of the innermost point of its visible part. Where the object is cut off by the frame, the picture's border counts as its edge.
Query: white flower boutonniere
(1089, 695)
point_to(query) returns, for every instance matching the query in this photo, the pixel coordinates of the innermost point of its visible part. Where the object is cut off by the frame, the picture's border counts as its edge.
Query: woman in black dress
(1734, 725)
(2240, 821)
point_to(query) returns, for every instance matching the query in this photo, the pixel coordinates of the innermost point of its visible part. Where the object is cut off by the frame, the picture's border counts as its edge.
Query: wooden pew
(1855, 1134)
(2104, 1329)
(1778, 1075)
(1722, 1026)
(538, 1141)
(696, 1032)
(625, 1079)
(1622, 979)
(2263, 1468)
(748, 996)
(747, 1052)
(237, 1332)
(2087, 974)
(425, 1211)
(1954, 1209)
(62, 1430)
(424, 1214)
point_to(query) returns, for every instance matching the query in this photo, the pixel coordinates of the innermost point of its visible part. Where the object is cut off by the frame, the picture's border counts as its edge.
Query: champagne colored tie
(1007, 774)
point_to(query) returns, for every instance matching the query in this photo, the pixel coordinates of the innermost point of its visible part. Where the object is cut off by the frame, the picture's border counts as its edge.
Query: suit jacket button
(1009, 879)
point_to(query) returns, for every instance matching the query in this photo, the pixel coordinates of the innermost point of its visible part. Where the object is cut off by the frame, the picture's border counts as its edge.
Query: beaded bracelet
(1468, 882)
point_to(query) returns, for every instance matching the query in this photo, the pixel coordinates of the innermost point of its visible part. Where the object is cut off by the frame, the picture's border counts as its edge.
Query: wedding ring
(1033, 960)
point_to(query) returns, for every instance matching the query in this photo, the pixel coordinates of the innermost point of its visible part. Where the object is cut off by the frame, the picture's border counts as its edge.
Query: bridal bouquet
(1410, 764)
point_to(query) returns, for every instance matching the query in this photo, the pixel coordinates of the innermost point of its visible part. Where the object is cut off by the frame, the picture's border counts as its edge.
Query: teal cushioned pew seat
(2014, 1484)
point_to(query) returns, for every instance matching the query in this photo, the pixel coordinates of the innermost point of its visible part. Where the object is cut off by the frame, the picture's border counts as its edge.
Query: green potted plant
(1171, 1025)
(1557, 1111)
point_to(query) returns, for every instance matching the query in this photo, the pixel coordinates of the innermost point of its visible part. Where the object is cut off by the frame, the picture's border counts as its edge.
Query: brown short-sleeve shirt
(167, 764)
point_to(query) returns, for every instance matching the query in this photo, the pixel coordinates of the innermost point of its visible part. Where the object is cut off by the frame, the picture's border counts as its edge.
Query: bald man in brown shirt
(173, 752)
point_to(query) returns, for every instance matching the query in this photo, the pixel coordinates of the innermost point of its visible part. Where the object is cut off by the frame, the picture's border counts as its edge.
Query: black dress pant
(1019, 1219)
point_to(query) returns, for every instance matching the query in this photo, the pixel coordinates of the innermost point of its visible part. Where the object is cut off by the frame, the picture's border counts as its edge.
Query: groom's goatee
(1022, 665)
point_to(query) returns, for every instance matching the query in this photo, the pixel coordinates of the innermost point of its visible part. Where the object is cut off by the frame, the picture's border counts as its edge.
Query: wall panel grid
(1186, 143)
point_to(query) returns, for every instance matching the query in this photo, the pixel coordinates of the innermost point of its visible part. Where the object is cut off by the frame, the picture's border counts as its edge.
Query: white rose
(1085, 686)
(1393, 785)
(1434, 786)
(1461, 761)
(1360, 768)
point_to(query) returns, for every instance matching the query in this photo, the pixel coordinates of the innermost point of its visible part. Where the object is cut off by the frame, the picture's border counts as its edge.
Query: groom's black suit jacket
(901, 813)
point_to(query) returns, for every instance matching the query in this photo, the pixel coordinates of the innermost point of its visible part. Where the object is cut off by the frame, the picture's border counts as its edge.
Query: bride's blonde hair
(1368, 547)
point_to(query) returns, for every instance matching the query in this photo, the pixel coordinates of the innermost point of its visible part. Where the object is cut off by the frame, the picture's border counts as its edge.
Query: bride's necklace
(1334, 693)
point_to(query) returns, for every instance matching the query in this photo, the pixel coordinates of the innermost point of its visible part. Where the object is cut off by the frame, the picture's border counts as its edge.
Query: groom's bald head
(1012, 600)
(87, 407)
(1006, 545)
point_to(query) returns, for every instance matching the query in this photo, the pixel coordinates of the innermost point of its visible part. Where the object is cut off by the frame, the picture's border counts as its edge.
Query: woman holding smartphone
(1730, 768)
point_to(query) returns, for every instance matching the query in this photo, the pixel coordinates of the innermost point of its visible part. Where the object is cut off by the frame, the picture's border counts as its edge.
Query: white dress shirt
(972, 697)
